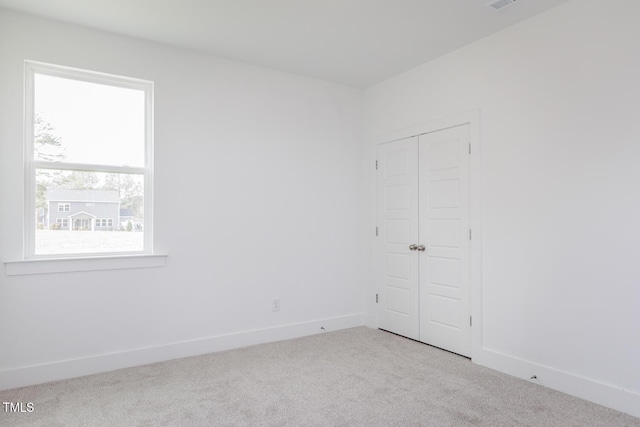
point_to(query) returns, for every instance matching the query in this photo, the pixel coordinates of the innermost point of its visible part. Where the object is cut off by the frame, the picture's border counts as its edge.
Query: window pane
(103, 212)
(81, 122)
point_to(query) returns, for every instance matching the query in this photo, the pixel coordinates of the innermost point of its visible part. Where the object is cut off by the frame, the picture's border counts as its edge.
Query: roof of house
(82, 213)
(64, 195)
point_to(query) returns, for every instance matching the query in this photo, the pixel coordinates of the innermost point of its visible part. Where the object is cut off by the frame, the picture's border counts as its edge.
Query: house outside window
(103, 203)
(89, 157)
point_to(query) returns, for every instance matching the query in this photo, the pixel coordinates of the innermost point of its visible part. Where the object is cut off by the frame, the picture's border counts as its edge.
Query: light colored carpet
(355, 377)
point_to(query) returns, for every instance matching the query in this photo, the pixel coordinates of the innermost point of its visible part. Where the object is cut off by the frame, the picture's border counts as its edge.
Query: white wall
(258, 195)
(559, 97)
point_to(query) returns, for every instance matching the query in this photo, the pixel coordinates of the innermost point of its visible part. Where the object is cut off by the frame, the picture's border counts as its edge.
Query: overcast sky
(96, 123)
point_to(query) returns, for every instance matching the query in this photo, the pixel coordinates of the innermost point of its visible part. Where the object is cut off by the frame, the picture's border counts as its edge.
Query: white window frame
(31, 165)
(104, 222)
(64, 207)
(64, 222)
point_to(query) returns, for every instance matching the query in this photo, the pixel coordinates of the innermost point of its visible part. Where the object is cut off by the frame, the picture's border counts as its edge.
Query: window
(104, 222)
(89, 142)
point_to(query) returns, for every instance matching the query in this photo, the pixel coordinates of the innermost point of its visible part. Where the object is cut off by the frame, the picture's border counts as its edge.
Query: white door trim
(472, 118)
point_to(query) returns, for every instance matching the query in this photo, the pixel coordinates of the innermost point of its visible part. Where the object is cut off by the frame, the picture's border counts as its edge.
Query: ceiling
(353, 42)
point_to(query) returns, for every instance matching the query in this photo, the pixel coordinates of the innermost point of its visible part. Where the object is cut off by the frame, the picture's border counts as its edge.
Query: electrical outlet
(275, 304)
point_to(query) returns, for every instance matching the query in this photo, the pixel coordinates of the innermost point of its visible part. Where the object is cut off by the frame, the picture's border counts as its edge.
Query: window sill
(66, 265)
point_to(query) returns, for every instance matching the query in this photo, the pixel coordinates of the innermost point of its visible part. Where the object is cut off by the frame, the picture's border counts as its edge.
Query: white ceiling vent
(500, 4)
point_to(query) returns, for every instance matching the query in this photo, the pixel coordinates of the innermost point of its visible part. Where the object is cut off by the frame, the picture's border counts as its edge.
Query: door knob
(420, 248)
(413, 247)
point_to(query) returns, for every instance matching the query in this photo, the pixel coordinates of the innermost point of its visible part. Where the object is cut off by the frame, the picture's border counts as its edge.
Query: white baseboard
(608, 395)
(38, 374)
(370, 320)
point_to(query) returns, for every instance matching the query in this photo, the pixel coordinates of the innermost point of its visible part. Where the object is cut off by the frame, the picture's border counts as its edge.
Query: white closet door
(444, 230)
(396, 264)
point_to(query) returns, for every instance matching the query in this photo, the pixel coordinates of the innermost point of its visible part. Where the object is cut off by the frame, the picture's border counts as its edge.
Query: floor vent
(500, 4)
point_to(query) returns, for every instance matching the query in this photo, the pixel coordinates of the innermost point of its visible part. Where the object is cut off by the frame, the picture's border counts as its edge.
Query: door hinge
(376, 165)
(469, 234)
(470, 320)
(469, 148)
(376, 231)
(376, 298)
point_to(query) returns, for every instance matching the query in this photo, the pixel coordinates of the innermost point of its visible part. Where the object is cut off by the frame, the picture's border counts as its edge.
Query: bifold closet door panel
(444, 267)
(396, 264)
